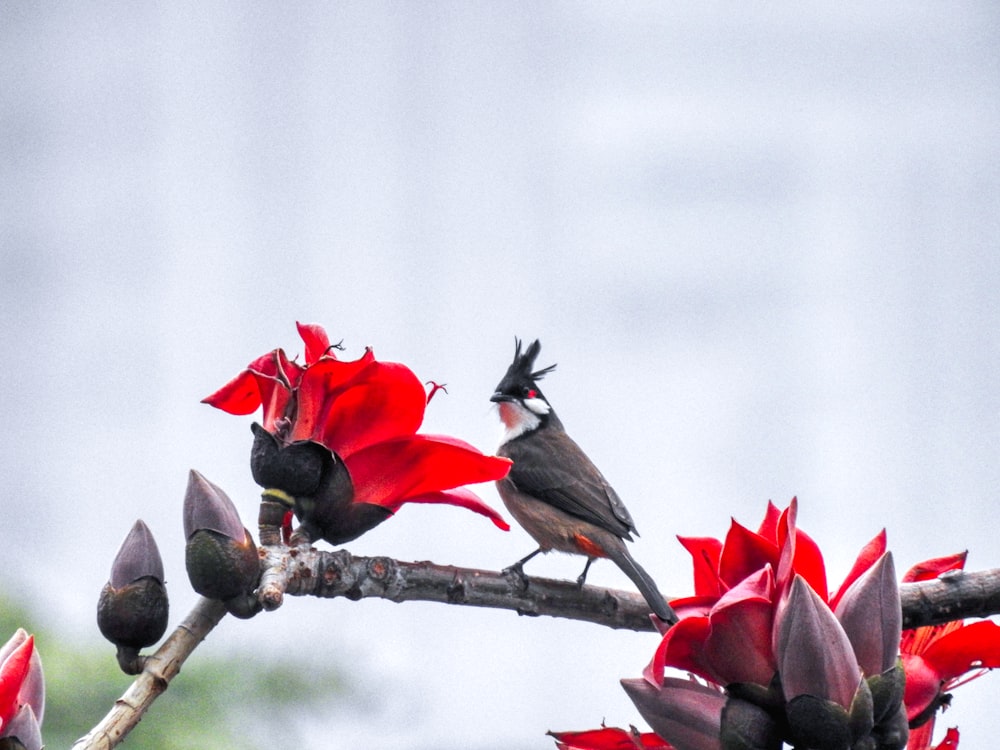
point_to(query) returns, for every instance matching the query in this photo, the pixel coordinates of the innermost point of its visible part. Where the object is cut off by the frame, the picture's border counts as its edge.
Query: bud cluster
(782, 663)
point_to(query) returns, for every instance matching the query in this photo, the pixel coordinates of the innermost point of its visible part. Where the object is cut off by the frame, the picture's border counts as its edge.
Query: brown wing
(549, 465)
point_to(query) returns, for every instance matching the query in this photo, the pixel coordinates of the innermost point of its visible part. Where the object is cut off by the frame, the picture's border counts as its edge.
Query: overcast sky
(760, 240)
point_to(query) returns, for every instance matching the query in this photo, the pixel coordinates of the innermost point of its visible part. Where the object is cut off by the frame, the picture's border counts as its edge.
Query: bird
(553, 490)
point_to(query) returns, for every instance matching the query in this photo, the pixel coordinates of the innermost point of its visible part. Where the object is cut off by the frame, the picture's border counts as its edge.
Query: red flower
(725, 631)
(939, 658)
(718, 566)
(365, 413)
(609, 738)
(761, 609)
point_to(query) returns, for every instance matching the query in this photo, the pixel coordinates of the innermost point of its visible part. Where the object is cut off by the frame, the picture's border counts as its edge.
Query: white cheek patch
(537, 405)
(517, 420)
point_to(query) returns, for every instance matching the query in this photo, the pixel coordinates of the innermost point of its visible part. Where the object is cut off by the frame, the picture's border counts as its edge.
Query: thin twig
(159, 669)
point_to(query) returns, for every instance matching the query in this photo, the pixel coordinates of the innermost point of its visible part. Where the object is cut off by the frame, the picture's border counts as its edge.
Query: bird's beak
(499, 397)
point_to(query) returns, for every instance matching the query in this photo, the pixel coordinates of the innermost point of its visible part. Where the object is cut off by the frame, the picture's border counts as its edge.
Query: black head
(520, 384)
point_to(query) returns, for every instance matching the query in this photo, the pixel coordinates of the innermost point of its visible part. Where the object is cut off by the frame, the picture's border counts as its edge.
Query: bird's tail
(619, 554)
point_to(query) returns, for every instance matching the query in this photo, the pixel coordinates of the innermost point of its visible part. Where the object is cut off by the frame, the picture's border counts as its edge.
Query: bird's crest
(520, 368)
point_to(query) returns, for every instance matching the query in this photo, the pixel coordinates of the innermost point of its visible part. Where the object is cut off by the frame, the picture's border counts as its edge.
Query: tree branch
(157, 672)
(954, 595)
(304, 571)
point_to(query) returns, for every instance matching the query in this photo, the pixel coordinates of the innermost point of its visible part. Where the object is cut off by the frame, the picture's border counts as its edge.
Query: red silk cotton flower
(725, 632)
(939, 658)
(784, 660)
(339, 442)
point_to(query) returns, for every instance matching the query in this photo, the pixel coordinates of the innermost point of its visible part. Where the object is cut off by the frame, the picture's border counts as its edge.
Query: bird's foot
(516, 571)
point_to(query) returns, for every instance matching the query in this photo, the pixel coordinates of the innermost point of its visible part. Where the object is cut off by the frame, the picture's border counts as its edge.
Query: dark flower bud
(893, 732)
(132, 610)
(294, 468)
(823, 724)
(220, 556)
(746, 726)
(887, 692)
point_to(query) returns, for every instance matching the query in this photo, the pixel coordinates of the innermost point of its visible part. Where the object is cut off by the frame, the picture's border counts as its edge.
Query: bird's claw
(516, 571)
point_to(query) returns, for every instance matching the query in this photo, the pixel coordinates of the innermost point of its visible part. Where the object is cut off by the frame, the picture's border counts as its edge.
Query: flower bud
(682, 712)
(132, 609)
(870, 614)
(887, 691)
(746, 726)
(822, 724)
(829, 705)
(220, 555)
(22, 732)
(294, 468)
(32, 682)
(813, 653)
(893, 732)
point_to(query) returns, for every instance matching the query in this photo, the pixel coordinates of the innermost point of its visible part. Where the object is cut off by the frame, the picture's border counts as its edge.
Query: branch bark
(955, 595)
(303, 571)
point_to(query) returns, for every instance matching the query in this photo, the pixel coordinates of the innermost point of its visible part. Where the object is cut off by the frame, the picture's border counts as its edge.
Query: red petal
(393, 471)
(705, 554)
(239, 396)
(809, 563)
(920, 738)
(609, 738)
(801, 557)
(319, 387)
(922, 686)
(316, 341)
(950, 741)
(283, 368)
(265, 382)
(868, 556)
(13, 672)
(693, 606)
(744, 553)
(682, 647)
(347, 406)
(970, 647)
(769, 526)
(275, 397)
(738, 648)
(931, 569)
(464, 499)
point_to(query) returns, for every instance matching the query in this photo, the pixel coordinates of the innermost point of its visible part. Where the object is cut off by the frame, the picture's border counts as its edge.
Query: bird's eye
(531, 393)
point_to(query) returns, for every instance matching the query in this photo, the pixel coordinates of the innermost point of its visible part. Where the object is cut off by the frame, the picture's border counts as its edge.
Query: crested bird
(553, 490)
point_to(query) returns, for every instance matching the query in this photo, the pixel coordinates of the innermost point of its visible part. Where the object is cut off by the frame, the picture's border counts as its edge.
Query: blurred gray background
(760, 240)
